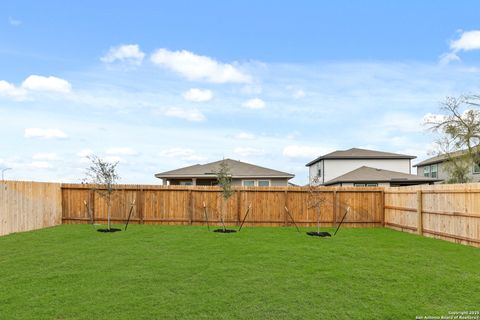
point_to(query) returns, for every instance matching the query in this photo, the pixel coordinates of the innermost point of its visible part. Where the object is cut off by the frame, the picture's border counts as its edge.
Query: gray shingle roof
(238, 169)
(440, 158)
(369, 174)
(356, 153)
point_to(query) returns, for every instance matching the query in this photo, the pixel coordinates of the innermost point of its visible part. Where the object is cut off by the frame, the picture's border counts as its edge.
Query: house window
(372, 184)
(476, 168)
(359, 185)
(426, 171)
(319, 173)
(248, 183)
(264, 183)
(433, 171)
(186, 183)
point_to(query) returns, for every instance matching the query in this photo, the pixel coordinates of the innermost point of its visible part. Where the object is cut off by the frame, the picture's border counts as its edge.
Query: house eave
(383, 181)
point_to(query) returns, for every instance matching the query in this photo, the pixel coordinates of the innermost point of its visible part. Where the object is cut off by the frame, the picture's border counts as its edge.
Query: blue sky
(159, 85)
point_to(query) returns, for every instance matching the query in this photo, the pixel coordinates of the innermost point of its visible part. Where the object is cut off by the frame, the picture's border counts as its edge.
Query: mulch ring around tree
(109, 230)
(319, 234)
(224, 230)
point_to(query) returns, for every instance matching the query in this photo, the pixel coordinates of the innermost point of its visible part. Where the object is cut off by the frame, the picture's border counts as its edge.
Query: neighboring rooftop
(368, 174)
(441, 158)
(238, 169)
(356, 153)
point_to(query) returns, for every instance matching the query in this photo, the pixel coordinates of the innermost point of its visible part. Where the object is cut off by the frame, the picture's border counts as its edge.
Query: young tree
(224, 179)
(104, 175)
(459, 129)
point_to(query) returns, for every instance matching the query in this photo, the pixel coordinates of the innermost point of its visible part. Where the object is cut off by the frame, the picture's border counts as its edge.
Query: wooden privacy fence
(28, 206)
(185, 205)
(449, 212)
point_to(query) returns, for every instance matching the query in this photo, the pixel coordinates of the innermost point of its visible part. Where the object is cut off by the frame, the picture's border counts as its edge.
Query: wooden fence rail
(185, 205)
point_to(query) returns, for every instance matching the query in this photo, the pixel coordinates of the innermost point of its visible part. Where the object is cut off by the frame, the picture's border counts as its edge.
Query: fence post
(335, 206)
(383, 207)
(419, 213)
(140, 205)
(285, 203)
(190, 206)
(239, 206)
(91, 200)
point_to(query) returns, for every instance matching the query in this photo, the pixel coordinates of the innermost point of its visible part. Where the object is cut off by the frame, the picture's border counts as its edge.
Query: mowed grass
(185, 272)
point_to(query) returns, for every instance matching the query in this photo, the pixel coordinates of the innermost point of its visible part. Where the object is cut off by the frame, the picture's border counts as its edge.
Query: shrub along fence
(449, 212)
(29, 205)
(186, 205)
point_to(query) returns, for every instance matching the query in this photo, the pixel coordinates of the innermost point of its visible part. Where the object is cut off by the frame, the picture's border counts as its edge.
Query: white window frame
(476, 168)
(243, 182)
(426, 171)
(267, 180)
(432, 172)
(359, 184)
(371, 185)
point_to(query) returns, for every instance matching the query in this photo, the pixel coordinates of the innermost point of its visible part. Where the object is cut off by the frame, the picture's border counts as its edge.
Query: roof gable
(369, 174)
(237, 169)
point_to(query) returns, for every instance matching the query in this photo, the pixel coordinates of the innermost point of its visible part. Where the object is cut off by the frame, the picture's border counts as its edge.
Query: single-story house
(242, 174)
(373, 177)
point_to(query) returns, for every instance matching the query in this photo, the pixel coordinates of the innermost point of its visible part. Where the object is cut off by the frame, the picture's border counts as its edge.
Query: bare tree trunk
(318, 218)
(222, 215)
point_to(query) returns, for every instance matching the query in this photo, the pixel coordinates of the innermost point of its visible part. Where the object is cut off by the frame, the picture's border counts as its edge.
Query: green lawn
(176, 272)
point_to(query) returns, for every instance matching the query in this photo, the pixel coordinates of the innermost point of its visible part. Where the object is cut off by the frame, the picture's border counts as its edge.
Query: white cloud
(299, 93)
(125, 151)
(198, 95)
(248, 152)
(112, 159)
(182, 153)
(304, 152)
(255, 103)
(186, 114)
(129, 53)
(46, 156)
(251, 89)
(448, 57)
(44, 133)
(85, 153)
(400, 122)
(39, 165)
(14, 22)
(41, 83)
(197, 67)
(244, 136)
(469, 40)
(9, 90)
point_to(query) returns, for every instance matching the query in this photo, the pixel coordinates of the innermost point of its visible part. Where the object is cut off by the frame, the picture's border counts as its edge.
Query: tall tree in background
(104, 175)
(459, 129)
(224, 179)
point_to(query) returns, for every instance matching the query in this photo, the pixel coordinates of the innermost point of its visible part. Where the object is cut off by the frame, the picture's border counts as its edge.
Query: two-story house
(436, 167)
(361, 167)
